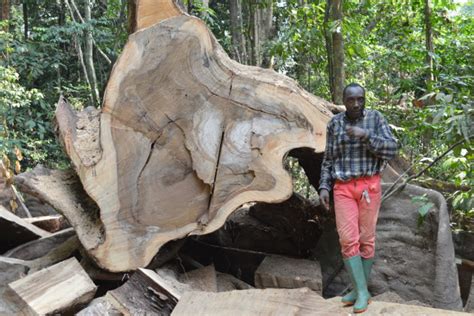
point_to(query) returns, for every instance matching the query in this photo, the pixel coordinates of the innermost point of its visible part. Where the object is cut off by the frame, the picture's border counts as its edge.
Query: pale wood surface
(286, 302)
(289, 273)
(251, 302)
(55, 289)
(202, 279)
(186, 137)
(150, 12)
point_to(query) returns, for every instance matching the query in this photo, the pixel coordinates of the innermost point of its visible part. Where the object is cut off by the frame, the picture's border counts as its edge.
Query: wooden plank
(60, 288)
(284, 272)
(50, 223)
(252, 302)
(147, 293)
(391, 309)
(16, 231)
(286, 302)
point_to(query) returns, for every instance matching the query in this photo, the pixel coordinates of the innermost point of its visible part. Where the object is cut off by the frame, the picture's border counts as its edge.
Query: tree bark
(255, 34)
(80, 54)
(25, 19)
(239, 51)
(186, 136)
(428, 43)
(335, 48)
(5, 13)
(89, 54)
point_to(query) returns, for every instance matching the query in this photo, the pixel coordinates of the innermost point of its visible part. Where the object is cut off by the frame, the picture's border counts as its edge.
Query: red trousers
(357, 204)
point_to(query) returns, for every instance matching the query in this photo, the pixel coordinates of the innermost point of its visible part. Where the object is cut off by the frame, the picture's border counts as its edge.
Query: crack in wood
(213, 185)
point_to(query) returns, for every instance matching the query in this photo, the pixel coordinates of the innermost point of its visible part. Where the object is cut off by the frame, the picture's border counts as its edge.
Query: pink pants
(356, 215)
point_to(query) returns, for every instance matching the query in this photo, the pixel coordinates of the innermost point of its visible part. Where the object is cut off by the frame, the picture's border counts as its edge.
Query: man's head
(353, 98)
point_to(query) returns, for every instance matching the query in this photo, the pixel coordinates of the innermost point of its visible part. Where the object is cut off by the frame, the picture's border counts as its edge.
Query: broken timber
(58, 289)
(185, 136)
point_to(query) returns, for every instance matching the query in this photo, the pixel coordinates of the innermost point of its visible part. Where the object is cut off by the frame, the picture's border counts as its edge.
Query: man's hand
(324, 198)
(357, 132)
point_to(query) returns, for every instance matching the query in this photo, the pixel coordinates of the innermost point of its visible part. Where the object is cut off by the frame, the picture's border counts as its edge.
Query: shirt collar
(364, 112)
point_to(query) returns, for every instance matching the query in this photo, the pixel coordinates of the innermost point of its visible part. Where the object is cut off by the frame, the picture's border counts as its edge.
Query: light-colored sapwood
(56, 289)
(186, 136)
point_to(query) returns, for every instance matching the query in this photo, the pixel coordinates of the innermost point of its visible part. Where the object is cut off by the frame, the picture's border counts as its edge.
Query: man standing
(358, 144)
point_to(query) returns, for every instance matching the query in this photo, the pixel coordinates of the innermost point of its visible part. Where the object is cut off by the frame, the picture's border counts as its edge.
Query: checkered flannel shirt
(347, 157)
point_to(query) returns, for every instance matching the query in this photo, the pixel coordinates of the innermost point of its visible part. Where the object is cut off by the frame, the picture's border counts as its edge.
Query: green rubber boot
(350, 298)
(356, 271)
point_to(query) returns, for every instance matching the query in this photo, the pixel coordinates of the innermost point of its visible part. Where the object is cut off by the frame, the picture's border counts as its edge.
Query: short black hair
(352, 85)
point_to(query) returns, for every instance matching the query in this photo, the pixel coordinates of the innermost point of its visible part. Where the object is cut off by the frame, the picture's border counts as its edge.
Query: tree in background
(414, 57)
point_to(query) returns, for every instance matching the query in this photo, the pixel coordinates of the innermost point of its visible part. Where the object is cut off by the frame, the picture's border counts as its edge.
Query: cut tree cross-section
(185, 136)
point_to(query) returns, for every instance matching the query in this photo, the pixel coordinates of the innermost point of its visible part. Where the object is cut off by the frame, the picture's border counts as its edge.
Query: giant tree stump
(185, 137)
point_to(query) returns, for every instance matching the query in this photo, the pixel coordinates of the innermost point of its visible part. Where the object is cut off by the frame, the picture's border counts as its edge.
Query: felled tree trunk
(185, 136)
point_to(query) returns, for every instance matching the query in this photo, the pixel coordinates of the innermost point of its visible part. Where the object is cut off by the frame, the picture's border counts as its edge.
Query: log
(286, 302)
(50, 223)
(40, 247)
(10, 270)
(16, 231)
(60, 289)
(145, 13)
(185, 136)
(253, 302)
(63, 190)
(146, 293)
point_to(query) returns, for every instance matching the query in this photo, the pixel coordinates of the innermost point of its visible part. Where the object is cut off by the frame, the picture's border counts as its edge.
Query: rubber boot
(350, 298)
(356, 272)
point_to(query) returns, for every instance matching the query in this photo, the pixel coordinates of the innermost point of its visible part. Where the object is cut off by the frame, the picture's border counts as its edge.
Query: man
(358, 144)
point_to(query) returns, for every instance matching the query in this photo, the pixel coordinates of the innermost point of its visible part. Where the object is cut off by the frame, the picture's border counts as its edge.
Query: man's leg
(368, 214)
(347, 218)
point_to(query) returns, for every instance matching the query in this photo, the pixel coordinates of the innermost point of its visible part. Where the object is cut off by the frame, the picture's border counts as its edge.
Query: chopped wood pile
(186, 143)
(53, 273)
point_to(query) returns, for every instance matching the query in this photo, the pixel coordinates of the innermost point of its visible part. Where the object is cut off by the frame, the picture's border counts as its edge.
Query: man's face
(354, 100)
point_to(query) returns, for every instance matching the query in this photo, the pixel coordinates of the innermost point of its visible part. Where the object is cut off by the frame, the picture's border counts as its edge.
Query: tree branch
(392, 190)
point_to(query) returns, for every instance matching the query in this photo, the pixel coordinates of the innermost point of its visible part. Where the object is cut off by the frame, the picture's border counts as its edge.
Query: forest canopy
(415, 58)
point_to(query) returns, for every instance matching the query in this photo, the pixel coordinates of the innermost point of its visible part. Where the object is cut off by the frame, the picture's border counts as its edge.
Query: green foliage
(385, 51)
(26, 122)
(34, 71)
(424, 207)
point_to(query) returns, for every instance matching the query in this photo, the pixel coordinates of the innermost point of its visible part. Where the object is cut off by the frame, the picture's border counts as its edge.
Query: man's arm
(325, 182)
(382, 143)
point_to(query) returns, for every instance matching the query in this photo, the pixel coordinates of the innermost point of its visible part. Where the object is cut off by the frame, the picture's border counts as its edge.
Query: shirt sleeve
(325, 181)
(382, 143)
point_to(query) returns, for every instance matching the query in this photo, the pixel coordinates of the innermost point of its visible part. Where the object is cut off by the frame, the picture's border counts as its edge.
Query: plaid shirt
(347, 157)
